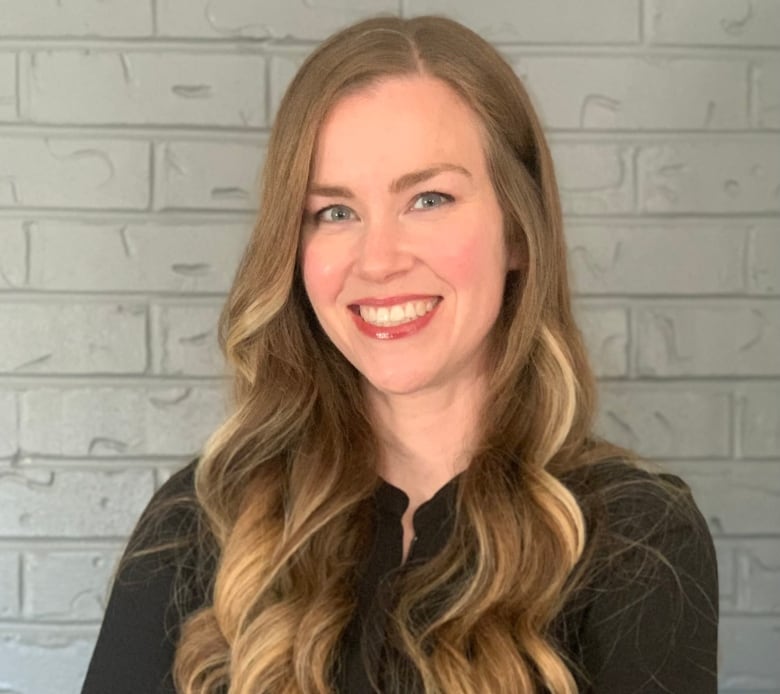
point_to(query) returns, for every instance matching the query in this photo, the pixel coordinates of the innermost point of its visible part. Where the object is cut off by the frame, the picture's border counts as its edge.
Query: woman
(407, 495)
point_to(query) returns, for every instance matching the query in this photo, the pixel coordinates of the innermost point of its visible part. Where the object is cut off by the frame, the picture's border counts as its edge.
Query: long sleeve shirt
(632, 638)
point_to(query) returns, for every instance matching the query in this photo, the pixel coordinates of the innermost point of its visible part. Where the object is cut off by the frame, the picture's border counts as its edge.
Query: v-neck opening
(394, 501)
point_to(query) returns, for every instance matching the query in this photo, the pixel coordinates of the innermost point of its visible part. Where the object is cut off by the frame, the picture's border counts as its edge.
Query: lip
(395, 332)
(392, 300)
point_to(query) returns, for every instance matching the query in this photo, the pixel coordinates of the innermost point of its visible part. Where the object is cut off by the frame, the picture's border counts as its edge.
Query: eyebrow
(398, 185)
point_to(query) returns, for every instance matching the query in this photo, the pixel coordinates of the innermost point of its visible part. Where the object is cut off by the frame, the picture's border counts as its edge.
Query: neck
(426, 436)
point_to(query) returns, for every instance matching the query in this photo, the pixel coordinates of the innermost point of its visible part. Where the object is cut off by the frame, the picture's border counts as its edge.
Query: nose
(382, 253)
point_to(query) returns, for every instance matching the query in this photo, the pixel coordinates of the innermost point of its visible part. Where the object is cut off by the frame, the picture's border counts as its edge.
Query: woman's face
(403, 255)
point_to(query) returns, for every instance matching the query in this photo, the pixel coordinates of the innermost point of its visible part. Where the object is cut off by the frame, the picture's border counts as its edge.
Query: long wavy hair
(284, 486)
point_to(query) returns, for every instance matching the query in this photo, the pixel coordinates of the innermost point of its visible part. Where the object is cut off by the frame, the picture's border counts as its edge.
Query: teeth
(388, 316)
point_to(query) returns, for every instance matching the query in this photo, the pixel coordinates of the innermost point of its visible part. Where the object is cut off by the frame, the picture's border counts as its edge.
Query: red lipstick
(394, 332)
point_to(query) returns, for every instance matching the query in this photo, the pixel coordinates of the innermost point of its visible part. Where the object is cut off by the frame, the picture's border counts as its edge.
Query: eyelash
(317, 216)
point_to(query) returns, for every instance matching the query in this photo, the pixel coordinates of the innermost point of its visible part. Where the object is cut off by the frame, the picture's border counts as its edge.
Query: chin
(396, 383)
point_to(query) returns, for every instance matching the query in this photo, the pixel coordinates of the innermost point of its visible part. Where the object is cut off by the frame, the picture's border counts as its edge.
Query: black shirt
(631, 638)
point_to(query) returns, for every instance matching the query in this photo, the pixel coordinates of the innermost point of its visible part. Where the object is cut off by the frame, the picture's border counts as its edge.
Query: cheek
(323, 269)
(469, 260)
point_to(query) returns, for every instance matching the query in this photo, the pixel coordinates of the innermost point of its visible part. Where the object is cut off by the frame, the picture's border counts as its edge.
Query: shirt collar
(394, 501)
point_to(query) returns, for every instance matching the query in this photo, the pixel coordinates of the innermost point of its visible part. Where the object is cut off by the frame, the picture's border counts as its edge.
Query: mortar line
(152, 175)
(752, 98)
(155, 21)
(18, 83)
(260, 44)
(21, 593)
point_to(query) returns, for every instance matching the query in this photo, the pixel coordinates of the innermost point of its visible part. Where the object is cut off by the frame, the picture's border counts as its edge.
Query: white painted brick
(540, 21)
(146, 256)
(77, 18)
(657, 258)
(758, 566)
(44, 661)
(594, 178)
(105, 421)
(188, 340)
(55, 337)
(749, 647)
(723, 175)
(666, 422)
(616, 92)
(207, 175)
(713, 22)
(708, 338)
(756, 574)
(9, 424)
(7, 86)
(271, 19)
(759, 421)
(65, 172)
(10, 588)
(13, 254)
(80, 591)
(766, 92)
(281, 71)
(72, 503)
(144, 88)
(763, 268)
(605, 330)
(622, 92)
(735, 498)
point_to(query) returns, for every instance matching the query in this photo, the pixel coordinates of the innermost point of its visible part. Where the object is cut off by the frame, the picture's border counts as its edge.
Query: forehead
(395, 126)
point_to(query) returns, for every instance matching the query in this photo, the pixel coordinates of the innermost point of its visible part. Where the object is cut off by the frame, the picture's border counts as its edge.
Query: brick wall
(130, 137)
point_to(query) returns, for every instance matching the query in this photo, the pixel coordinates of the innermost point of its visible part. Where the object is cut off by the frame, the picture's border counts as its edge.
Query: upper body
(402, 318)
(627, 637)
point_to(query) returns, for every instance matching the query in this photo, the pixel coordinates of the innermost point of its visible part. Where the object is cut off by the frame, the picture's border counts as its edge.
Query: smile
(397, 314)
(393, 319)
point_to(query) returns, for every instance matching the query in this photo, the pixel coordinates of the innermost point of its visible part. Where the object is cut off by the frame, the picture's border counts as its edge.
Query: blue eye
(431, 199)
(323, 214)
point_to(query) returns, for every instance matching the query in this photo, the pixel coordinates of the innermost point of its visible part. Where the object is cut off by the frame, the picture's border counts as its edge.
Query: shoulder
(177, 492)
(168, 563)
(171, 512)
(171, 542)
(157, 584)
(642, 524)
(620, 498)
(649, 600)
(169, 545)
